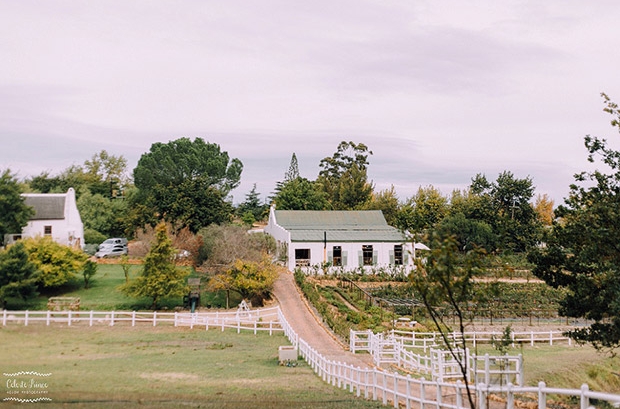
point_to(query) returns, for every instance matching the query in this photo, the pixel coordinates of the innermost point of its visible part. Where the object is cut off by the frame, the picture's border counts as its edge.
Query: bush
(93, 237)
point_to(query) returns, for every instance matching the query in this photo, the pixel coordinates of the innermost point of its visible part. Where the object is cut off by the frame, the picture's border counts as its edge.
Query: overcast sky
(438, 90)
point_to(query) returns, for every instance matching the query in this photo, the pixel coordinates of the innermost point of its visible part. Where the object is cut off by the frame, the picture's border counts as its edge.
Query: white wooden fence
(371, 383)
(374, 383)
(265, 319)
(421, 355)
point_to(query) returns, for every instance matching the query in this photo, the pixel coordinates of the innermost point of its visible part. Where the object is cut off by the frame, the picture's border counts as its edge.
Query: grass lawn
(161, 367)
(567, 367)
(103, 295)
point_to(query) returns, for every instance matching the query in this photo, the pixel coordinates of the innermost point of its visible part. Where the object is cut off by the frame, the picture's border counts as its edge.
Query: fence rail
(372, 383)
(256, 320)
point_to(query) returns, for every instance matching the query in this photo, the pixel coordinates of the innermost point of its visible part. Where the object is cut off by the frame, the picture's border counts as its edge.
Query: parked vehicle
(112, 247)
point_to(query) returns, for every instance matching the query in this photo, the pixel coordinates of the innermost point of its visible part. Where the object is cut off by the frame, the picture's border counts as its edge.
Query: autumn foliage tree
(253, 280)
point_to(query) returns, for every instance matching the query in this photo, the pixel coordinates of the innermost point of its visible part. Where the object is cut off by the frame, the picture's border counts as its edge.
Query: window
(337, 256)
(47, 230)
(302, 257)
(398, 254)
(367, 255)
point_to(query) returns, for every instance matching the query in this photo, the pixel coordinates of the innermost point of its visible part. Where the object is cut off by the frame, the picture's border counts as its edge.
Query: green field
(103, 295)
(163, 367)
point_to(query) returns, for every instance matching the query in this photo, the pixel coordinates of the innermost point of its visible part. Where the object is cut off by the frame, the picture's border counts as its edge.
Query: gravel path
(308, 325)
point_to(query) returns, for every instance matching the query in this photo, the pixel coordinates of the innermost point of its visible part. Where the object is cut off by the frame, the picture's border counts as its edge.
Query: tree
(14, 213)
(251, 279)
(386, 201)
(17, 274)
(186, 181)
(160, 276)
(90, 269)
(543, 206)
(102, 214)
(103, 174)
(505, 206)
(56, 264)
(582, 252)
(444, 283)
(109, 170)
(252, 206)
(193, 204)
(344, 177)
(224, 244)
(170, 164)
(300, 194)
(293, 169)
(424, 211)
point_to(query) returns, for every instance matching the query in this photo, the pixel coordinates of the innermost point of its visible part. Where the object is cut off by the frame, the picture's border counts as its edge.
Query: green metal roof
(338, 226)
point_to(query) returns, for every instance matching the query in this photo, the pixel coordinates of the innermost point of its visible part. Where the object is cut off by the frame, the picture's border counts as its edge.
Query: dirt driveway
(307, 324)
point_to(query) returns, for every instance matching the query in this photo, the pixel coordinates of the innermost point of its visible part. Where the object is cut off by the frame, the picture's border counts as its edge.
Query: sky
(438, 90)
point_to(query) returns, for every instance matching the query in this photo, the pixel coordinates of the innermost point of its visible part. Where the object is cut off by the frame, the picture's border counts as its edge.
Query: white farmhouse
(347, 240)
(55, 215)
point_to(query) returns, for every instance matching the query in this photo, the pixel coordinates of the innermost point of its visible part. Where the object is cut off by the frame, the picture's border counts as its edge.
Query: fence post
(408, 393)
(133, 318)
(112, 319)
(459, 394)
(26, 319)
(384, 394)
(374, 385)
(542, 396)
(69, 318)
(422, 393)
(3, 317)
(487, 369)
(395, 390)
(531, 338)
(585, 401)
(155, 318)
(90, 319)
(510, 397)
(482, 395)
(520, 370)
(550, 337)
(47, 318)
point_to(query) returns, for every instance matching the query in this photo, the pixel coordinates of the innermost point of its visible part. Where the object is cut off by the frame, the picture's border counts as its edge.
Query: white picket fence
(375, 383)
(371, 383)
(423, 356)
(265, 319)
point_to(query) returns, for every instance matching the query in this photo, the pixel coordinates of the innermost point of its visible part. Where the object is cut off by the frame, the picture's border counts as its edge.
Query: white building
(55, 215)
(347, 240)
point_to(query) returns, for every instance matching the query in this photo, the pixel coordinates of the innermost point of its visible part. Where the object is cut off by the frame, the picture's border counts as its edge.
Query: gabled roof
(337, 226)
(46, 206)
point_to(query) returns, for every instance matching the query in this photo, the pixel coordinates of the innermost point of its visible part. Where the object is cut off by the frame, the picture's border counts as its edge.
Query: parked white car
(112, 247)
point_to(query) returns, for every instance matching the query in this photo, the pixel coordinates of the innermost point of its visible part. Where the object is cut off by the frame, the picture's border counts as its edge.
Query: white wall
(68, 231)
(350, 251)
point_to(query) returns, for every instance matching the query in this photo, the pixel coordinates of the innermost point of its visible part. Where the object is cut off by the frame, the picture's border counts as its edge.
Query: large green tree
(344, 176)
(14, 214)
(17, 274)
(160, 276)
(103, 174)
(582, 252)
(423, 211)
(187, 182)
(504, 205)
(300, 194)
